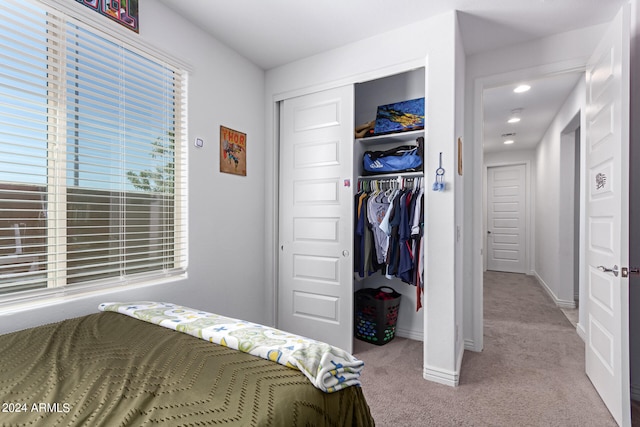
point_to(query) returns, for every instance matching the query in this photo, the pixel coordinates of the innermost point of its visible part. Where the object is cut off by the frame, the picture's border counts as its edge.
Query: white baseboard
(559, 302)
(582, 332)
(470, 345)
(441, 376)
(410, 333)
(459, 361)
(565, 303)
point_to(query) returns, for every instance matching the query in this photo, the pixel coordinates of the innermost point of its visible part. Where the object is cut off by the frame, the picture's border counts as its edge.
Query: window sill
(41, 298)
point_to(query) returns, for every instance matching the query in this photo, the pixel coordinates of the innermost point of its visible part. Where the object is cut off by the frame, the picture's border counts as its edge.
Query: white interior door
(506, 218)
(315, 290)
(607, 228)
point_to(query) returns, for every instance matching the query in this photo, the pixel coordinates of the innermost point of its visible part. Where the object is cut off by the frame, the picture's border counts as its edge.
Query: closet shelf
(392, 137)
(392, 175)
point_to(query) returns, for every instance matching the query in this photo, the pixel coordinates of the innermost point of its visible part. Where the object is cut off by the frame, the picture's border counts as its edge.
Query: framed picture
(124, 12)
(459, 156)
(233, 151)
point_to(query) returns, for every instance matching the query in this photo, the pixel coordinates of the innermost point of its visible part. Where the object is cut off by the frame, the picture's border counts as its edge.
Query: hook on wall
(439, 184)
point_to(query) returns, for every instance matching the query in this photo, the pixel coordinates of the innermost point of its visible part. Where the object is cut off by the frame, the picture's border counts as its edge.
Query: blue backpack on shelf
(405, 158)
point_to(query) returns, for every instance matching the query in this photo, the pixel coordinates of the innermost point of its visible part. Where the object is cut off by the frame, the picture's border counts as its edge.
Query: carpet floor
(530, 373)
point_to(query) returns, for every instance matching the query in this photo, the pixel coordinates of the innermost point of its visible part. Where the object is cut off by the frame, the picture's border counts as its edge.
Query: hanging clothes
(377, 208)
(417, 231)
(388, 231)
(365, 258)
(405, 263)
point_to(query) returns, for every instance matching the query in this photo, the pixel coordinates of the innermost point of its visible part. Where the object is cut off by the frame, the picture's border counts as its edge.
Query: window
(92, 157)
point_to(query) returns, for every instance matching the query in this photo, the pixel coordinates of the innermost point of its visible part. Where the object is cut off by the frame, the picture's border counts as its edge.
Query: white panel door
(315, 290)
(506, 218)
(607, 217)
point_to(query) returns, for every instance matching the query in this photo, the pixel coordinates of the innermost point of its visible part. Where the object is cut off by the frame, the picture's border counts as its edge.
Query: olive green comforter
(107, 369)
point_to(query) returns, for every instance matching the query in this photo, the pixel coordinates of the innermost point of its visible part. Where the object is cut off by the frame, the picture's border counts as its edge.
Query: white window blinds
(92, 156)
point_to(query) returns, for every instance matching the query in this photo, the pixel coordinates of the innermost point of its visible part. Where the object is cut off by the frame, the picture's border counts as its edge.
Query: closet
(368, 96)
(320, 167)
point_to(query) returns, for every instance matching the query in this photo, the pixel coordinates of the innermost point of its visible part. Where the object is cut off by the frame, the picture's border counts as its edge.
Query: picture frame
(124, 12)
(233, 151)
(460, 156)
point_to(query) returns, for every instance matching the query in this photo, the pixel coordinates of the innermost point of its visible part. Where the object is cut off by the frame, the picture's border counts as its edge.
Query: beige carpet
(531, 372)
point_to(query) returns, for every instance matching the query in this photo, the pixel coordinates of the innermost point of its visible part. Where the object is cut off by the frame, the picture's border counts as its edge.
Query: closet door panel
(316, 229)
(317, 154)
(315, 293)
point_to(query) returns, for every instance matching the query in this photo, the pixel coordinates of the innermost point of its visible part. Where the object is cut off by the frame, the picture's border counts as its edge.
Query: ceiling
(275, 32)
(539, 106)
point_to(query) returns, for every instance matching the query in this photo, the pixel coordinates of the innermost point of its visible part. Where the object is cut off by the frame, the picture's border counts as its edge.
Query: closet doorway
(320, 168)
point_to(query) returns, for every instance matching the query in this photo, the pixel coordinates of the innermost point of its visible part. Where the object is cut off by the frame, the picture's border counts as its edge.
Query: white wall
(435, 38)
(226, 265)
(507, 156)
(553, 240)
(523, 61)
(462, 186)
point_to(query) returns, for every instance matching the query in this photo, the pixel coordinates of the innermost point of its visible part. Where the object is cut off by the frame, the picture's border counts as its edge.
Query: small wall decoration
(460, 156)
(439, 184)
(124, 12)
(233, 151)
(601, 181)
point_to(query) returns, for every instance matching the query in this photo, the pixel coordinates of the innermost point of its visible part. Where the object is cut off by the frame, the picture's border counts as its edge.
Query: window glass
(92, 162)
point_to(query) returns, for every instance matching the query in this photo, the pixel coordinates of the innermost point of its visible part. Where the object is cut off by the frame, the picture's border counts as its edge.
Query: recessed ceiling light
(522, 88)
(515, 115)
(507, 138)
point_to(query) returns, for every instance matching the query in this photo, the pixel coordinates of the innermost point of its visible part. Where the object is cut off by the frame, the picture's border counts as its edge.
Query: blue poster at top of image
(400, 117)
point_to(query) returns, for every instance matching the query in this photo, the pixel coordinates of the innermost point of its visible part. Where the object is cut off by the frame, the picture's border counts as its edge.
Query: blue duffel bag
(405, 158)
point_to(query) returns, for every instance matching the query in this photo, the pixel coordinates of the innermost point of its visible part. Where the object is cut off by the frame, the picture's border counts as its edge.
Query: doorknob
(613, 270)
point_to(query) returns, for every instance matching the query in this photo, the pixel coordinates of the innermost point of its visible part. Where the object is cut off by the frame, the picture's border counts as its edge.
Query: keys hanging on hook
(439, 184)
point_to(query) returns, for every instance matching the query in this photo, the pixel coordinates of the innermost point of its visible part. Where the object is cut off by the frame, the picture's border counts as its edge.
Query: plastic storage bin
(376, 314)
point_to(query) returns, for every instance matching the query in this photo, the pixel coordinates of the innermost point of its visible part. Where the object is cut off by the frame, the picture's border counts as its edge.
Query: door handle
(613, 270)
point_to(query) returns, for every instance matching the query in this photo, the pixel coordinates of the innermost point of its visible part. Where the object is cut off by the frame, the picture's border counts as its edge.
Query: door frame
(528, 210)
(576, 221)
(475, 341)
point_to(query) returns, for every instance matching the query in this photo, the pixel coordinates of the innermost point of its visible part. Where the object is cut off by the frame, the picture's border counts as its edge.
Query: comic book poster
(233, 151)
(124, 12)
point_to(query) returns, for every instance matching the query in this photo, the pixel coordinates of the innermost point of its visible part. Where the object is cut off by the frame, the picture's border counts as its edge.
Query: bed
(113, 369)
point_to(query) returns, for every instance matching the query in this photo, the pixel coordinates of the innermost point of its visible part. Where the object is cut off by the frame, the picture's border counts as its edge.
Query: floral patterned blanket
(328, 368)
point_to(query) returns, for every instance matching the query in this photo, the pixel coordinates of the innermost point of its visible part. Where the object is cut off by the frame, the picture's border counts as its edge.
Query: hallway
(535, 354)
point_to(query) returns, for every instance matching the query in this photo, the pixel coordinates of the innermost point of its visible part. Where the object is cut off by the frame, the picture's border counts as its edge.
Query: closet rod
(390, 175)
